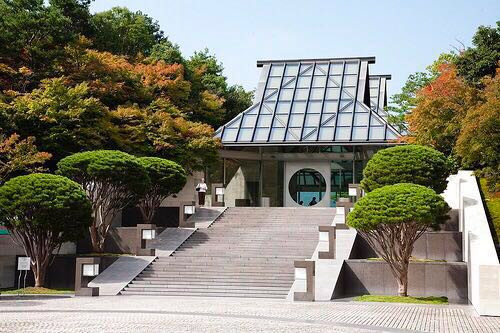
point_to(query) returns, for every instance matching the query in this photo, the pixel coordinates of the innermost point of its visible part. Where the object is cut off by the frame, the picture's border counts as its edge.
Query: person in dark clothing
(313, 202)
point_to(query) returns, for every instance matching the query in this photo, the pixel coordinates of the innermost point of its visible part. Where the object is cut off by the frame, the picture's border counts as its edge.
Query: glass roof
(307, 101)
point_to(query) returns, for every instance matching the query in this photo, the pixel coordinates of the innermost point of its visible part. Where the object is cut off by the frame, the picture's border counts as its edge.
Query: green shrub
(167, 178)
(407, 164)
(43, 211)
(392, 218)
(112, 180)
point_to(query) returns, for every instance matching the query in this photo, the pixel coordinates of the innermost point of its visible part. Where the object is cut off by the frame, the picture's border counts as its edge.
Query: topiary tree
(167, 178)
(112, 180)
(392, 218)
(407, 164)
(43, 211)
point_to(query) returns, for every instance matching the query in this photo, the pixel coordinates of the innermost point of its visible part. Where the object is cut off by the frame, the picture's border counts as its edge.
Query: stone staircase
(247, 252)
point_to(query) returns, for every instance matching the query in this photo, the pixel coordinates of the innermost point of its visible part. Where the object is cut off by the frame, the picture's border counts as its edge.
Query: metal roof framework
(313, 101)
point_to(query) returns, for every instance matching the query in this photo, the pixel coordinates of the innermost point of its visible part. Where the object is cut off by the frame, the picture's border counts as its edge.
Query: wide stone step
(238, 282)
(207, 287)
(215, 276)
(222, 269)
(205, 294)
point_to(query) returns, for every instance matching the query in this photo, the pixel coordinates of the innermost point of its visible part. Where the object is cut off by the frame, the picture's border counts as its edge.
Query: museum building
(313, 126)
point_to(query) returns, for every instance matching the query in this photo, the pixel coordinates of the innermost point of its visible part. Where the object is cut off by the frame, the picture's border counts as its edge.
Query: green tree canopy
(407, 164)
(18, 156)
(121, 31)
(476, 62)
(43, 211)
(112, 180)
(167, 178)
(33, 33)
(392, 218)
(63, 119)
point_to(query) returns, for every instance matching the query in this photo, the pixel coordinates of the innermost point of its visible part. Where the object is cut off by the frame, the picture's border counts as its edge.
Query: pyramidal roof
(313, 100)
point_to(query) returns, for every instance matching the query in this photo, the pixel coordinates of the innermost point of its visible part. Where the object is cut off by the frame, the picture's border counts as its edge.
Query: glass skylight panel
(283, 107)
(330, 106)
(344, 119)
(319, 81)
(296, 120)
(361, 119)
(312, 120)
(299, 107)
(304, 82)
(310, 134)
(328, 120)
(377, 133)
(293, 134)
(317, 93)
(302, 94)
(343, 133)
(346, 105)
(336, 68)
(332, 93)
(230, 134)
(321, 69)
(359, 133)
(350, 80)
(271, 94)
(314, 107)
(334, 81)
(276, 70)
(245, 134)
(280, 120)
(264, 120)
(277, 134)
(274, 82)
(292, 70)
(286, 94)
(248, 121)
(351, 67)
(326, 133)
(288, 82)
(306, 69)
(261, 134)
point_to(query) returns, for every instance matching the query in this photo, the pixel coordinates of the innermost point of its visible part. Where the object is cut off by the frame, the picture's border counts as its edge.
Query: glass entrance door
(307, 187)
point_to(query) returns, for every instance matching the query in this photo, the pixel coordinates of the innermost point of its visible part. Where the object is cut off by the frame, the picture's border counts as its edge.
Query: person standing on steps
(201, 188)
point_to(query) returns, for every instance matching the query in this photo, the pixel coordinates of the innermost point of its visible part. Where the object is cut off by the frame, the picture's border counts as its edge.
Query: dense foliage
(407, 164)
(167, 178)
(43, 211)
(19, 156)
(111, 179)
(479, 141)
(453, 106)
(481, 60)
(111, 80)
(392, 218)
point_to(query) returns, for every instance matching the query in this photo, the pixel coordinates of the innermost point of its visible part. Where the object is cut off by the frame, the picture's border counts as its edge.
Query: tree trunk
(39, 268)
(403, 284)
(39, 273)
(94, 238)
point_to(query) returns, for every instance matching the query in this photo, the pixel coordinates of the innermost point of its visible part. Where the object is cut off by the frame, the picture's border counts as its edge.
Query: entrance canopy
(314, 102)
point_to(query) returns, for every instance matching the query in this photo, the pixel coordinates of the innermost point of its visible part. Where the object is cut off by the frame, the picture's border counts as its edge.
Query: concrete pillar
(82, 276)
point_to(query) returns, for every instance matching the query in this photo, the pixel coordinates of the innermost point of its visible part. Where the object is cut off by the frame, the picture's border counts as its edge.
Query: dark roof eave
(260, 63)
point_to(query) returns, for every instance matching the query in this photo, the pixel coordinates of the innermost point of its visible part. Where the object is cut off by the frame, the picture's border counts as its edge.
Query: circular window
(307, 187)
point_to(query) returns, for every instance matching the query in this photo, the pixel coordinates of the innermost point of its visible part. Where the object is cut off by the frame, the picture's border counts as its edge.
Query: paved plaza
(192, 314)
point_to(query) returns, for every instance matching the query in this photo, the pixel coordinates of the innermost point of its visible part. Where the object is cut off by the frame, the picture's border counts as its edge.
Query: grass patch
(36, 291)
(412, 259)
(492, 206)
(400, 299)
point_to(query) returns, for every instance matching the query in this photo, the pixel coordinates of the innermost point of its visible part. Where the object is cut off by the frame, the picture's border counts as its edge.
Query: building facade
(313, 126)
